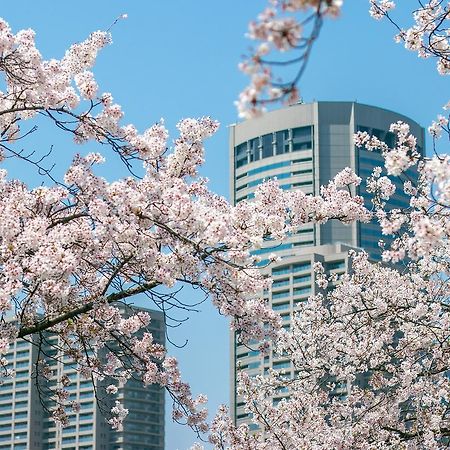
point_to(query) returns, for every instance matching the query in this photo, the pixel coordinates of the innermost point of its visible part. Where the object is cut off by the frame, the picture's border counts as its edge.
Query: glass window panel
(267, 145)
(280, 143)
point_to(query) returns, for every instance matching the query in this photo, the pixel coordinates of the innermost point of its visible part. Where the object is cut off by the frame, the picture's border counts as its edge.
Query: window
(301, 138)
(18, 436)
(303, 243)
(302, 290)
(302, 160)
(279, 283)
(22, 374)
(87, 394)
(268, 167)
(302, 172)
(87, 437)
(21, 394)
(240, 153)
(281, 142)
(281, 294)
(86, 405)
(281, 365)
(267, 145)
(254, 365)
(261, 251)
(254, 149)
(302, 278)
(281, 270)
(335, 265)
(281, 306)
(303, 183)
(86, 416)
(301, 267)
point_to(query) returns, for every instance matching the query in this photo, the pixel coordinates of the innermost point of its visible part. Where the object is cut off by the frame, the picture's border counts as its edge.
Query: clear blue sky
(179, 59)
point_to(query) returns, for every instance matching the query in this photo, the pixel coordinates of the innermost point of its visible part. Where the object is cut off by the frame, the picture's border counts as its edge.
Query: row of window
(17, 437)
(21, 404)
(297, 291)
(292, 268)
(273, 166)
(279, 176)
(272, 144)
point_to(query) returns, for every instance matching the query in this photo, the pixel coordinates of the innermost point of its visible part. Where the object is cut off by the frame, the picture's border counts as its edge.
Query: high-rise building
(304, 146)
(26, 425)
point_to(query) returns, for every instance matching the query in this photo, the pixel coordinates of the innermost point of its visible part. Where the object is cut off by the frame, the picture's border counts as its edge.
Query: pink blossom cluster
(429, 36)
(278, 29)
(370, 363)
(397, 159)
(381, 187)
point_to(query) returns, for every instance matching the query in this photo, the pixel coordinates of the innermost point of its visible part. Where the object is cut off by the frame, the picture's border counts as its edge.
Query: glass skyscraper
(304, 146)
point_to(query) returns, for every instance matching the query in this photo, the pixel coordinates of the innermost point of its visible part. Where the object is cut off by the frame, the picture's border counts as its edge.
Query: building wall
(278, 144)
(20, 413)
(25, 425)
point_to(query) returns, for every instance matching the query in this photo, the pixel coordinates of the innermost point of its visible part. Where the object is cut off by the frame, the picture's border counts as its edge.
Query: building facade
(304, 146)
(25, 424)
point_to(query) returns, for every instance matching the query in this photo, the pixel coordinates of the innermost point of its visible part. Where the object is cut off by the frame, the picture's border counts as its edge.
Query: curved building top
(306, 145)
(310, 113)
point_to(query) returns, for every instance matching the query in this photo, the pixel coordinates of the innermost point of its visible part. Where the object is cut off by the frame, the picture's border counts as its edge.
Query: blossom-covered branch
(284, 26)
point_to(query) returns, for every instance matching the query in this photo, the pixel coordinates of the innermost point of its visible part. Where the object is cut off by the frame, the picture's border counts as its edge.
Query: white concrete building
(304, 146)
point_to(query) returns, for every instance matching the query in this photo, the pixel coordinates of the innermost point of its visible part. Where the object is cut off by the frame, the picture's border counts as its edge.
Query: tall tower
(304, 146)
(25, 425)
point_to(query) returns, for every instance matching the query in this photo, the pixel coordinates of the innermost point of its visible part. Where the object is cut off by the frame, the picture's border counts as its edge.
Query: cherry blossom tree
(371, 355)
(74, 249)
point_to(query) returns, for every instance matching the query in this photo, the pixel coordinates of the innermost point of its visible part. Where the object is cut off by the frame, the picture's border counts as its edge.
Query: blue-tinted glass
(302, 290)
(260, 251)
(301, 267)
(267, 146)
(279, 143)
(241, 150)
(281, 306)
(301, 138)
(280, 294)
(268, 167)
(254, 149)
